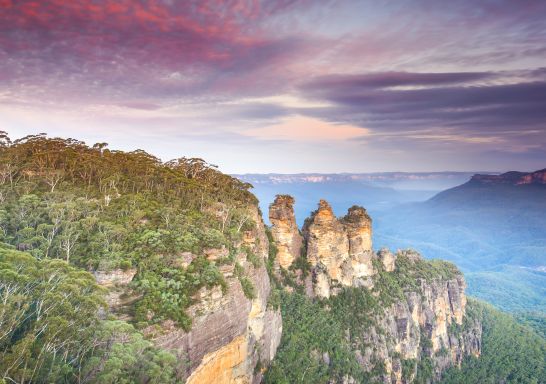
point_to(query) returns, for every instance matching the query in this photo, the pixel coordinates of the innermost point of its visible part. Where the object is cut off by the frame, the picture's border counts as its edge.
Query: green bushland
(51, 332)
(511, 352)
(101, 209)
(67, 209)
(310, 332)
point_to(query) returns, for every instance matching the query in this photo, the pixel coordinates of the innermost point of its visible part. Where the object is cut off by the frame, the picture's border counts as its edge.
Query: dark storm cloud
(374, 101)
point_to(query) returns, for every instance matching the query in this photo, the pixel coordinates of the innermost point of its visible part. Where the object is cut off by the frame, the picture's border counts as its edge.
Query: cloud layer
(357, 81)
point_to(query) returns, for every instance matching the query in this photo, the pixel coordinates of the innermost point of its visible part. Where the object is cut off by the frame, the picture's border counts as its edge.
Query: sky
(281, 85)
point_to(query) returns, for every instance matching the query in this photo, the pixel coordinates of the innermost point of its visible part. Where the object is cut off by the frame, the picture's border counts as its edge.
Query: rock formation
(423, 324)
(388, 259)
(285, 230)
(234, 338)
(339, 251)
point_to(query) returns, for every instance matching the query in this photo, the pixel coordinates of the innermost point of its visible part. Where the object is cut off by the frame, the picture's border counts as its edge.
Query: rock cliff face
(232, 337)
(417, 321)
(339, 251)
(426, 326)
(231, 334)
(285, 231)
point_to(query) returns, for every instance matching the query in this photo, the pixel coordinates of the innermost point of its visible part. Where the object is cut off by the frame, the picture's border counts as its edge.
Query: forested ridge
(67, 209)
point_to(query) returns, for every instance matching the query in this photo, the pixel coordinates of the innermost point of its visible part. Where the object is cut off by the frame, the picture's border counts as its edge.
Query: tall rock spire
(285, 230)
(339, 250)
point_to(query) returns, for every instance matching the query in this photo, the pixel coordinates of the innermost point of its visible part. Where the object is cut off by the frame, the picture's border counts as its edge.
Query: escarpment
(401, 318)
(234, 334)
(404, 318)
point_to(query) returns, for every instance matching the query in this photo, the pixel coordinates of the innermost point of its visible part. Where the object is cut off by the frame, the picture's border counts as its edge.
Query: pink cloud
(301, 128)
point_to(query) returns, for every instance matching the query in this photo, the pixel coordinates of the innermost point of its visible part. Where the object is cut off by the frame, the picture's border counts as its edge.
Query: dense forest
(511, 352)
(68, 210)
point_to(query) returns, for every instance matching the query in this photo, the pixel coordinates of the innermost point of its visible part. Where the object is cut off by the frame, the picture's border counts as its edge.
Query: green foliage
(408, 368)
(252, 257)
(49, 311)
(425, 370)
(101, 209)
(355, 309)
(391, 286)
(301, 263)
(167, 291)
(274, 299)
(534, 320)
(248, 288)
(50, 330)
(511, 352)
(511, 288)
(122, 355)
(310, 332)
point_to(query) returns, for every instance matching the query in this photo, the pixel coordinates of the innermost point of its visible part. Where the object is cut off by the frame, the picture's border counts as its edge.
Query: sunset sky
(284, 86)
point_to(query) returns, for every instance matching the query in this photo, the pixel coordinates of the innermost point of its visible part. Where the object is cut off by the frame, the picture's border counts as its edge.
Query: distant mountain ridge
(523, 190)
(512, 178)
(372, 177)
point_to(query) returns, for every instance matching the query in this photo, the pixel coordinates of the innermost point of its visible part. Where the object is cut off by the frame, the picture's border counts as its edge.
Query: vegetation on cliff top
(101, 209)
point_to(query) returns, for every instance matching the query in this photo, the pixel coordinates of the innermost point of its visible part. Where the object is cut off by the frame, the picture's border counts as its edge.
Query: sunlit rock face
(388, 259)
(285, 230)
(231, 335)
(424, 323)
(421, 326)
(339, 250)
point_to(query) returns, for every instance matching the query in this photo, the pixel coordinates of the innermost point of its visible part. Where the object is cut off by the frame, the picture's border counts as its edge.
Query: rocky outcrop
(388, 259)
(285, 231)
(117, 297)
(425, 325)
(233, 338)
(339, 250)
